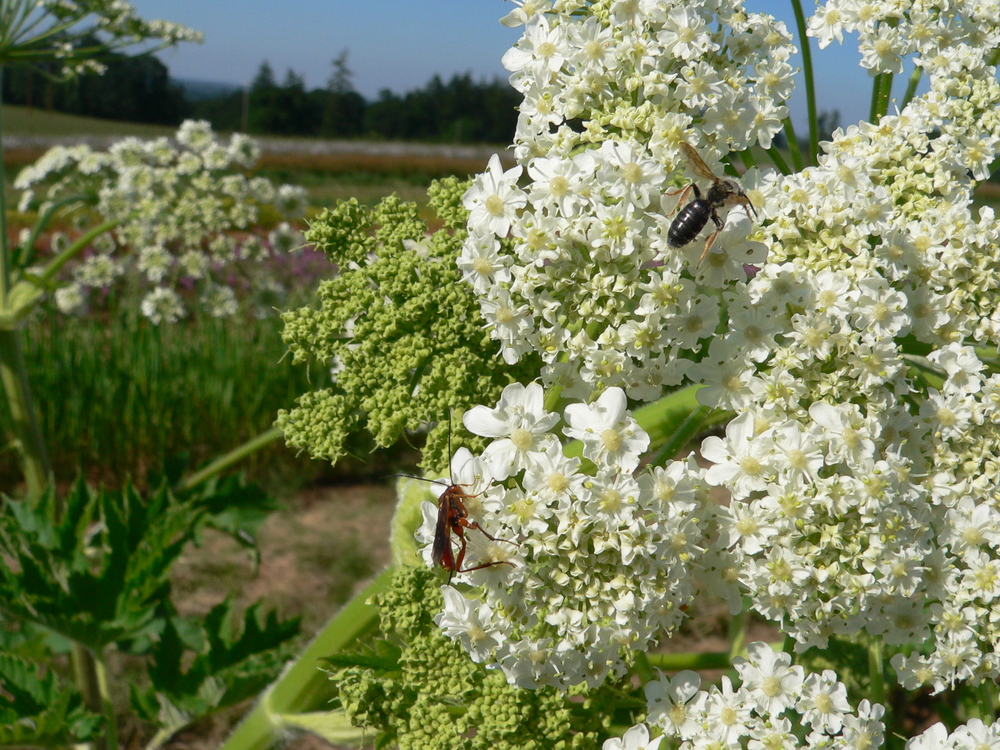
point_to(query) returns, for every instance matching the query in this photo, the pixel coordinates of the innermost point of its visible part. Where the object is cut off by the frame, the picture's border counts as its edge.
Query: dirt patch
(314, 553)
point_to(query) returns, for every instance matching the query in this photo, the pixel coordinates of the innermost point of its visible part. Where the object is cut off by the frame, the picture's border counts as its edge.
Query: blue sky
(400, 44)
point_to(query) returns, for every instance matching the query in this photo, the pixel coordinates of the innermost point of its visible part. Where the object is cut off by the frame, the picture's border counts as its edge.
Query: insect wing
(441, 552)
(698, 165)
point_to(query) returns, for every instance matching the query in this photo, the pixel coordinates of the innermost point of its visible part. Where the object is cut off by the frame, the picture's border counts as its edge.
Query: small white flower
(220, 301)
(636, 738)
(743, 461)
(769, 677)
(70, 298)
(162, 305)
(481, 263)
(670, 705)
(462, 621)
(520, 425)
(609, 433)
(494, 198)
(824, 702)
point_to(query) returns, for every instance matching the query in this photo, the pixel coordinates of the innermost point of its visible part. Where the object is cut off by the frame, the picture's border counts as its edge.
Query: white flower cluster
(863, 463)
(588, 279)
(583, 565)
(175, 206)
(755, 714)
(655, 72)
(114, 20)
(974, 735)
(945, 37)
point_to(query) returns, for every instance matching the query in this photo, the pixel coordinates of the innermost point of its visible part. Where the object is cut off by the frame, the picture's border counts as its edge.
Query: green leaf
(38, 708)
(258, 634)
(98, 574)
(233, 506)
(232, 664)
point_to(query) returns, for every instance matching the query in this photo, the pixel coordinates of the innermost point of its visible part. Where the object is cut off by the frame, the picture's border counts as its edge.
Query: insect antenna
(419, 479)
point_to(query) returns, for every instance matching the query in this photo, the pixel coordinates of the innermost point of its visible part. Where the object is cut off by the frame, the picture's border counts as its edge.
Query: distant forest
(139, 89)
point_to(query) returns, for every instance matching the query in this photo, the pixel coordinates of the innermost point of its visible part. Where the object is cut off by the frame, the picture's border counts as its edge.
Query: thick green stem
(88, 669)
(778, 160)
(677, 662)
(738, 633)
(986, 698)
(682, 435)
(881, 93)
(56, 264)
(224, 462)
(26, 427)
(793, 150)
(24, 258)
(911, 86)
(642, 668)
(876, 670)
(92, 682)
(747, 158)
(4, 243)
(28, 291)
(807, 71)
(304, 686)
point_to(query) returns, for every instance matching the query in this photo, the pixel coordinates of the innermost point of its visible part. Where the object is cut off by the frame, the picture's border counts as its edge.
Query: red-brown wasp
(453, 518)
(695, 215)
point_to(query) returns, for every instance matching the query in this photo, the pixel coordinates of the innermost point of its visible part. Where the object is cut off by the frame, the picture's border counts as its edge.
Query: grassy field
(22, 121)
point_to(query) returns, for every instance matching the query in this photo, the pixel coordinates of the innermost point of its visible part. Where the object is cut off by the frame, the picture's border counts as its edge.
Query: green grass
(23, 121)
(117, 395)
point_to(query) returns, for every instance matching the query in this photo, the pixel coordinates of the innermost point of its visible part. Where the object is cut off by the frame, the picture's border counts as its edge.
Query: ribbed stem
(27, 430)
(793, 149)
(4, 243)
(876, 670)
(807, 71)
(234, 456)
(92, 682)
(911, 86)
(304, 686)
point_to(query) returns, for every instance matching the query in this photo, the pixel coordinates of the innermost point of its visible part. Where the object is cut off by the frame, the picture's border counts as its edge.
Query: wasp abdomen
(689, 222)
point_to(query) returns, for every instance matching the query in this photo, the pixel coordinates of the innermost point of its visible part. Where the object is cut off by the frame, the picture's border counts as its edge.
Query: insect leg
(719, 223)
(488, 535)
(486, 565)
(684, 193)
(460, 533)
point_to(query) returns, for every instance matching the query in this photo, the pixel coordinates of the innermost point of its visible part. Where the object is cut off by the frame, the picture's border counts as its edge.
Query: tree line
(133, 89)
(139, 89)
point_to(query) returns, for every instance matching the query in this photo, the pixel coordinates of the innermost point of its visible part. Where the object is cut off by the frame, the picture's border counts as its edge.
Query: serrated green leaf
(99, 574)
(37, 708)
(232, 664)
(165, 669)
(227, 648)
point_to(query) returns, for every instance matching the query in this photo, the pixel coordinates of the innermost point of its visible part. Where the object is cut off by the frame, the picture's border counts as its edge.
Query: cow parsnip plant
(849, 338)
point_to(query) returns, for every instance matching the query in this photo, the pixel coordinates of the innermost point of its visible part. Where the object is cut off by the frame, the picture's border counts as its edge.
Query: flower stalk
(810, 82)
